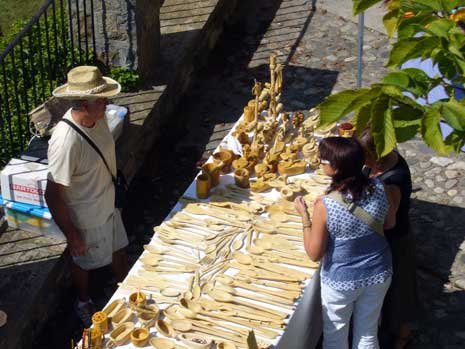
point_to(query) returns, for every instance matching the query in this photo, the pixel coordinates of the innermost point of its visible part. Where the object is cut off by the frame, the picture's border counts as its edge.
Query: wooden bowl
(162, 343)
(136, 299)
(112, 308)
(121, 334)
(140, 337)
(124, 315)
(165, 328)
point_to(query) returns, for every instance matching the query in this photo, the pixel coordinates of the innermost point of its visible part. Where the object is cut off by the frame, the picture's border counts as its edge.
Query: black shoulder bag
(121, 185)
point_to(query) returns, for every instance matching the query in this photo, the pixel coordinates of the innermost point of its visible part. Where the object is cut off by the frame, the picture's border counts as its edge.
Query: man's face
(96, 108)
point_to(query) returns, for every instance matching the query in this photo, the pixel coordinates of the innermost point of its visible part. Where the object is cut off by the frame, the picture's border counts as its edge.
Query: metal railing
(59, 36)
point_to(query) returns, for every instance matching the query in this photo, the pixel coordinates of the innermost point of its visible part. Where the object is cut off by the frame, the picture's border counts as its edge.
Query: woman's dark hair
(367, 141)
(346, 157)
(369, 147)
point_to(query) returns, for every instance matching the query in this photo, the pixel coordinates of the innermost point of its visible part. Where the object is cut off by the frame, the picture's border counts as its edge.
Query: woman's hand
(301, 206)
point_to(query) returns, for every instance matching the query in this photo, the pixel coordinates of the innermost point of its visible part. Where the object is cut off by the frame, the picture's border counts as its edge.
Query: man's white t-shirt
(73, 163)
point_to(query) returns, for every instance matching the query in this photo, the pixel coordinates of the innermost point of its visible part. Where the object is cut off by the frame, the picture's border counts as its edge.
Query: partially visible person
(346, 233)
(400, 304)
(80, 191)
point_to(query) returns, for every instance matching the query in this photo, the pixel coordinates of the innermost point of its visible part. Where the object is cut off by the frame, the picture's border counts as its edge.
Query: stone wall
(127, 32)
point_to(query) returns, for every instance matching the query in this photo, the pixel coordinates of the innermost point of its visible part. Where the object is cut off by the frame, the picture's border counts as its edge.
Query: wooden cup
(241, 178)
(213, 170)
(203, 186)
(100, 321)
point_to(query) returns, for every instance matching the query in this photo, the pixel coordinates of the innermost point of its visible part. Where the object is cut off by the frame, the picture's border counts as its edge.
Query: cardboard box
(24, 181)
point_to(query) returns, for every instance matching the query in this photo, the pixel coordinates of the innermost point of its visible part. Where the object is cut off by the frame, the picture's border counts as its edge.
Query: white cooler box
(24, 181)
(32, 218)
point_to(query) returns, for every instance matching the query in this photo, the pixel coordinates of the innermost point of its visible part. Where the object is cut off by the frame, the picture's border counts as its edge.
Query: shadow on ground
(439, 233)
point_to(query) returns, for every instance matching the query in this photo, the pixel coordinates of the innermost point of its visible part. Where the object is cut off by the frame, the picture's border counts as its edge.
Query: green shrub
(129, 79)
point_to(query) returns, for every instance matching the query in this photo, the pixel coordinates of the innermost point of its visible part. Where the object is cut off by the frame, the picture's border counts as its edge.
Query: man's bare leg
(81, 282)
(120, 264)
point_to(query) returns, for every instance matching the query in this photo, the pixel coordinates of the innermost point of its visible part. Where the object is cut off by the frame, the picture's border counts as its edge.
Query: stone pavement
(320, 51)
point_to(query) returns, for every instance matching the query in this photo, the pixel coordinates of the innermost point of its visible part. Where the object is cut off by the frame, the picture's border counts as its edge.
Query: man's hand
(76, 244)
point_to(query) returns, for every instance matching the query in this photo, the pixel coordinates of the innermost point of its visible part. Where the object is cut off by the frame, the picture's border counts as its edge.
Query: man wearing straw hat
(80, 192)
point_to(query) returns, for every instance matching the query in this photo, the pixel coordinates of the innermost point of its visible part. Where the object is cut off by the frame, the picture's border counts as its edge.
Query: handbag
(358, 212)
(120, 183)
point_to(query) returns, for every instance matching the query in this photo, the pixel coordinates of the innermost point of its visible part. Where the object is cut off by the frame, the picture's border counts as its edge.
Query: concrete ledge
(32, 271)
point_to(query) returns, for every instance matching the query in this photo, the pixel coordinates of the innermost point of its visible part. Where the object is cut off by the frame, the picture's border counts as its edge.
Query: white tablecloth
(304, 327)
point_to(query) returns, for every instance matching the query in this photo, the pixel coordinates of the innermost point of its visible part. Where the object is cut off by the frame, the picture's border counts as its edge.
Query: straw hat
(87, 82)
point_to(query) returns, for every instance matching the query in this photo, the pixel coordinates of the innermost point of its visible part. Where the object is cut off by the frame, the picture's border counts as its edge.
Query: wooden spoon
(234, 317)
(274, 284)
(169, 251)
(187, 326)
(231, 282)
(268, 299)
(222, 296)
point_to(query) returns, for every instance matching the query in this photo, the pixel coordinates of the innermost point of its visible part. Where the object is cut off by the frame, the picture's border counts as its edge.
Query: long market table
(304, 325)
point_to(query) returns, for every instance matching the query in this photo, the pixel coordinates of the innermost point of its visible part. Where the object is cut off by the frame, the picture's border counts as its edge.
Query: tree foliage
(425, 29)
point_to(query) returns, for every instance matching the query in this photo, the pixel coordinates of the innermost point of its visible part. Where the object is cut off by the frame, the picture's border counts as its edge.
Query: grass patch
(13, 10)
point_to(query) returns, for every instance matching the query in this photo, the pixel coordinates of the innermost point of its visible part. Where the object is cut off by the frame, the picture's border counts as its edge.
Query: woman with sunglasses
(345, 233)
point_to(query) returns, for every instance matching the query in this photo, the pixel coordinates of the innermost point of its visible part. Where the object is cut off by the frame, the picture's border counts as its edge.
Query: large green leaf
(420, 79)
(362, 118)
(393, 5)
(420, 5)
(455, 49)
(390, 20)
(405, 115)
(407, 122)
(382, 126)
(441, 27)
(397, 78)
(405, 133)
(337, 106)
(446, 64)
(454, 113)
(397, 94)
(455, 141)
(361, 5)
(408, 27)
(406, 49)
(431, 131)
(451, 4)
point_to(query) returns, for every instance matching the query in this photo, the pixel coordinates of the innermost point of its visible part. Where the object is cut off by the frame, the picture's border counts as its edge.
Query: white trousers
(365, 305)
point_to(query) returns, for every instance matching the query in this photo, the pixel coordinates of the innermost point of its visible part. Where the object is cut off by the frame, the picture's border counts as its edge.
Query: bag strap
(358, 212)
(92, 144)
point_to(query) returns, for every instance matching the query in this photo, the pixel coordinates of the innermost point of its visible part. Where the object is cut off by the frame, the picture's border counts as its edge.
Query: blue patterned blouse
(356, 255)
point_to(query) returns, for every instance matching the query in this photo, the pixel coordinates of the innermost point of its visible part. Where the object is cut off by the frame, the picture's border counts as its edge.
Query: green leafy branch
(425, 29)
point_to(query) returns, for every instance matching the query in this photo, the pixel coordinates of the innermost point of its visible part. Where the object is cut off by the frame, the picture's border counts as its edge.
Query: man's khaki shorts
(101, 242)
